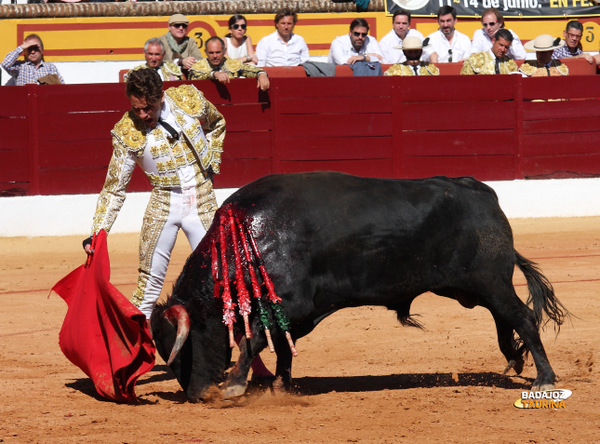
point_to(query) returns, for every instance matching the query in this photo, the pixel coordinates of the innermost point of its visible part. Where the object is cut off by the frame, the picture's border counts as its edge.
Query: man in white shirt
(355, 46)
(391, 42)
(447, 44)
(492, 21)
(283, 47)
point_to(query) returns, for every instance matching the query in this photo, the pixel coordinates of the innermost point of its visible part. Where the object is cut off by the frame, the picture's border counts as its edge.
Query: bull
(331, 240)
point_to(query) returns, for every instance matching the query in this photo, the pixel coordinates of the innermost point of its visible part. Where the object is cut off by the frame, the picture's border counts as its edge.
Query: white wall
(72, 214)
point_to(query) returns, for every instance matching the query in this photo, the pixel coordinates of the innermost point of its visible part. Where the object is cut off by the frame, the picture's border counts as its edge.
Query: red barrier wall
(56, 138)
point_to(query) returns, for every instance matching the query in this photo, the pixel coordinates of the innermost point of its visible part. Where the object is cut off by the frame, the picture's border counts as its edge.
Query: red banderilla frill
(228, 305)
(229, 221)
(242, 291)
(263, 315)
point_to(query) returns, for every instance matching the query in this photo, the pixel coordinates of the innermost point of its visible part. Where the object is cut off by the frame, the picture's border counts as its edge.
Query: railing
(56, 138)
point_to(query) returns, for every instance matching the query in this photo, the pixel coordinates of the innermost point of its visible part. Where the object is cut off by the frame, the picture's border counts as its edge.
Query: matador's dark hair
(144, 82)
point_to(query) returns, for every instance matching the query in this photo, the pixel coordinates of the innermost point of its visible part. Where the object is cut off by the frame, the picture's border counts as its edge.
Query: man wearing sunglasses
(492, 21)
(179, 48)
(356, 46)
(33, 69)
(572, 47)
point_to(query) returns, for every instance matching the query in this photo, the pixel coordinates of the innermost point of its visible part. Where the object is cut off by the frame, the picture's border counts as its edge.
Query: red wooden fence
(56, 138)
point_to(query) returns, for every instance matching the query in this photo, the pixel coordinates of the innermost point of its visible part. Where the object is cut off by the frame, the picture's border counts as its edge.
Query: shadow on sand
(310, 385)
(317, 385)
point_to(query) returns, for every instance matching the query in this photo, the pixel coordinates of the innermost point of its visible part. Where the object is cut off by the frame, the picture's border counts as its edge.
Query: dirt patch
(360, 377)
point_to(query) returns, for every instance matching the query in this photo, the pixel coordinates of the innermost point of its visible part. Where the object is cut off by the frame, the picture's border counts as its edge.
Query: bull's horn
(178, 315)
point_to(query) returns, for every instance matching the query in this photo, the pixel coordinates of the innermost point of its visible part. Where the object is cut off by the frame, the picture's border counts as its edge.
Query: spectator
(413, 66)
(544, 46)
(447, 44)
(154, 52)
(391, 43)
(33, 69)
(572, 47)
(283, 47)
(492, 22)
(356, 46)
(238, 45)
(179, 48)
(217, 66)
(494, 61)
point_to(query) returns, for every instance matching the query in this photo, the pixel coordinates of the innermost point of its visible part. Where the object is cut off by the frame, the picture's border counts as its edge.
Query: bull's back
(363, 239)
(323, 199)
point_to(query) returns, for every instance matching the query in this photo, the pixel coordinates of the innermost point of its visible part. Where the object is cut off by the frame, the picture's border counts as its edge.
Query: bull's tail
(541, 295)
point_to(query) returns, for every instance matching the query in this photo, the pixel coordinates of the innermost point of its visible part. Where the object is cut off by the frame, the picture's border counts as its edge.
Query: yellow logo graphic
(548, 399)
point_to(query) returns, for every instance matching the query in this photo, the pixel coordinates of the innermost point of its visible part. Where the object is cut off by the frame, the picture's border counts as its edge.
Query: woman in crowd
(239, 45)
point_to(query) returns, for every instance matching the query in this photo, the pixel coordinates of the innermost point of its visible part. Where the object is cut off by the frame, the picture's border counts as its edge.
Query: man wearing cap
(391, 42)
(494, 61)
(216, 66)
(179, 48)
(154, 52)
(544, 45)
(572, 43)
(413, 66)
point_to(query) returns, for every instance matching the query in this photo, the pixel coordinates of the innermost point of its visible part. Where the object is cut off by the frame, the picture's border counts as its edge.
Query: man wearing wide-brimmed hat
(544, 66)
(179, 48)
(413, 66)
(494, 61)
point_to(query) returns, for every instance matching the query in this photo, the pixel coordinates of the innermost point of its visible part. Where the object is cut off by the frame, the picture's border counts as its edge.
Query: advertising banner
(508, 8)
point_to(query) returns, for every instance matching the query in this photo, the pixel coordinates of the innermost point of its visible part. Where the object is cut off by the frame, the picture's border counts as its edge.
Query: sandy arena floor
(360, 376)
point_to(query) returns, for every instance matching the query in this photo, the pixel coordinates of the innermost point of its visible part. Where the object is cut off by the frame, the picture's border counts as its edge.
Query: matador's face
(148, 111)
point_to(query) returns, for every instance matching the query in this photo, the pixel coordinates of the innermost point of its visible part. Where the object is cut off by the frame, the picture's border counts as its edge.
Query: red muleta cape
(103, 333)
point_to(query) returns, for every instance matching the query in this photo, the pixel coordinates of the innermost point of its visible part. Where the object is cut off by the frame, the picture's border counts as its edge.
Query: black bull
(329, 241)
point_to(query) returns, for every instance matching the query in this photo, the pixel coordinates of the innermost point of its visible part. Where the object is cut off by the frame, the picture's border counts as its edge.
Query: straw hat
(178, 18)
(544, 42)
(413, 43)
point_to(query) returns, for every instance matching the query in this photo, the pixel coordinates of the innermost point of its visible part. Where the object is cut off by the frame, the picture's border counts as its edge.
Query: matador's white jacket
(161, 159)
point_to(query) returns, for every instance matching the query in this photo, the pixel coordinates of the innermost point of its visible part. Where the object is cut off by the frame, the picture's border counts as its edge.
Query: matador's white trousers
(191, 210)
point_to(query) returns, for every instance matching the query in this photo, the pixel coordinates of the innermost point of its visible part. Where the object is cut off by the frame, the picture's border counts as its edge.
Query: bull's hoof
(517, 365)
(278, 387)
(542, 387)
(234, 391)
